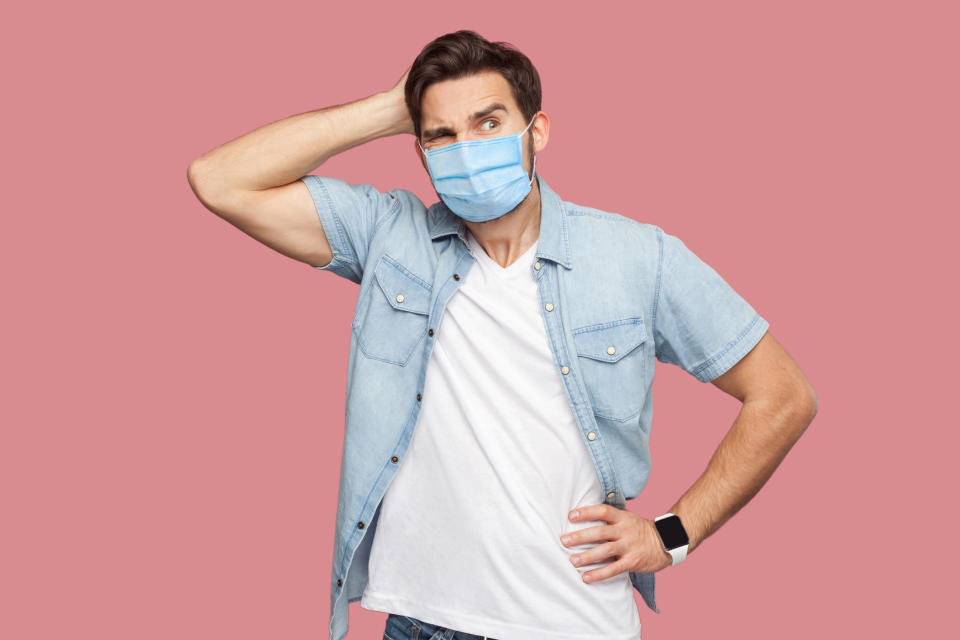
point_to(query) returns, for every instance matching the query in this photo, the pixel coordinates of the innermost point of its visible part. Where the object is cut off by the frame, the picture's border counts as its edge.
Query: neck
(508, 237)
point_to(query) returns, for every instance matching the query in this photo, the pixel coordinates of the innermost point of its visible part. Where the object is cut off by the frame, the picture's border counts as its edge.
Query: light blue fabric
(613, 282)
(481, 180)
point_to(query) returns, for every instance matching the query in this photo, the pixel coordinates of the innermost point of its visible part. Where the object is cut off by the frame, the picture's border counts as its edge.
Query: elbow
(202, 182)
(197, 175)
(810, 401)
(805, 404)
(795, 404)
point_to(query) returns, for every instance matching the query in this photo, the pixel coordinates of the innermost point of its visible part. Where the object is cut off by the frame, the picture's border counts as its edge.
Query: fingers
(596, 554)
(614, 549)
(604, 511)
(612, 569)
(590, 534)
(629, 543)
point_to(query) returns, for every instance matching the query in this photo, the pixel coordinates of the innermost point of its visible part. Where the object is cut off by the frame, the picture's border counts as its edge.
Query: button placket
(549, 289)
(448, 288)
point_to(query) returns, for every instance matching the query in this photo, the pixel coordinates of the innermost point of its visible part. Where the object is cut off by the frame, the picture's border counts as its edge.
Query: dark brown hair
(465, 52)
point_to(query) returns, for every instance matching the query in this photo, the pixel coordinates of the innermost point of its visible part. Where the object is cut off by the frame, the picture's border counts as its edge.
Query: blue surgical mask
(480, 180)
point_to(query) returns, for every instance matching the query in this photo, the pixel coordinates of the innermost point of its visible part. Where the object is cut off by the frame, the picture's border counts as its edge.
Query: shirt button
(394, 459)
(536, 265)
(339, 582)
(564, 369)
(611, 494)
(399, 297)
(419, 397)
(456, 276)
(611, 350)
(360, 525)
(430, 333)
(591, 436)
(548, 306)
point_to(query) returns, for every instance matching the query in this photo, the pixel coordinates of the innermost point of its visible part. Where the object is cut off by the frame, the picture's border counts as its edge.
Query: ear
(540, 130)
(416, 150)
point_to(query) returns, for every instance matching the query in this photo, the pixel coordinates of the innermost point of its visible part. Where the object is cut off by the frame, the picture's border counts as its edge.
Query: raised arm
(253, 182)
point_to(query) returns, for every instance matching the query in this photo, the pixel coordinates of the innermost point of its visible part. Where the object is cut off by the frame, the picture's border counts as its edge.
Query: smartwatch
(673, 536)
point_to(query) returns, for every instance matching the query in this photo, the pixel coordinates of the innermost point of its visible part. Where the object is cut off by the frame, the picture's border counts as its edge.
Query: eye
(486, 121)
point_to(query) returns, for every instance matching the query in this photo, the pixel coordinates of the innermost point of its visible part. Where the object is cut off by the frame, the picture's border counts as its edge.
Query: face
(476, 107)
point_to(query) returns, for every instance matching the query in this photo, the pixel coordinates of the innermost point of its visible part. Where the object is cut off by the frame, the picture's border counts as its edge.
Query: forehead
(454, 101)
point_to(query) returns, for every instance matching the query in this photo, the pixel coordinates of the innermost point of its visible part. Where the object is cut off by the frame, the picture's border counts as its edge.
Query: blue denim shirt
(616, 295)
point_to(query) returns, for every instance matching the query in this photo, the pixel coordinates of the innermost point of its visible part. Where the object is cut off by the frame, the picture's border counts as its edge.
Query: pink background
(172, 414)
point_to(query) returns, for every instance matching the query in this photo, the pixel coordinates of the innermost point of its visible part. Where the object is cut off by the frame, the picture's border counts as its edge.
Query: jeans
(405, 628)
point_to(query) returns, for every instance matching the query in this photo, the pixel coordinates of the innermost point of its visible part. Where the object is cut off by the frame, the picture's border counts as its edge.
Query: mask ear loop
(533, 171)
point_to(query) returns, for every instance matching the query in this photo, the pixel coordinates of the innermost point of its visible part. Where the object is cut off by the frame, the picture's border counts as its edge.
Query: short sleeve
(700, 323)
(351, 215)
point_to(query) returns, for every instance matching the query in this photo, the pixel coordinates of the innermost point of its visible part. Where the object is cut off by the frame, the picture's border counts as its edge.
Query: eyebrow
(426, 135)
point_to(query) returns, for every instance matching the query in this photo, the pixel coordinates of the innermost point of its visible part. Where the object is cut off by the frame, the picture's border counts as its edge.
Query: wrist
(689, 525)
(392, 111)
(673, 536)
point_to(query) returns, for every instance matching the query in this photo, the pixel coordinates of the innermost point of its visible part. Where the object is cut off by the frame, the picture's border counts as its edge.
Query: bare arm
(253, 182)
(778, 405)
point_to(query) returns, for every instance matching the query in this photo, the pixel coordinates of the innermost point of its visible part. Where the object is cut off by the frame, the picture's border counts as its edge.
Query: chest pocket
(611, 356)
(392, 313)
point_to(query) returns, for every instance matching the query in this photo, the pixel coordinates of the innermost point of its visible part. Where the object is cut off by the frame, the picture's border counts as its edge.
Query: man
(501, 359)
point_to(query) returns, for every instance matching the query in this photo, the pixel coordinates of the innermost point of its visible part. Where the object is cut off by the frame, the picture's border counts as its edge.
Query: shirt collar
(553, 243)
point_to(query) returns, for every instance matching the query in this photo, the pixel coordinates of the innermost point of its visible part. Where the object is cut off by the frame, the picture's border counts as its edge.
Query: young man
(501, 361)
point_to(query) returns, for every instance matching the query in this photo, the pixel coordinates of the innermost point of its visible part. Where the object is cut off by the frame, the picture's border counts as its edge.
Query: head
(464, 87)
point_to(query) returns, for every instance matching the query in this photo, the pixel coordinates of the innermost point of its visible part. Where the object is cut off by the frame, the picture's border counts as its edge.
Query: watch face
(672, 532)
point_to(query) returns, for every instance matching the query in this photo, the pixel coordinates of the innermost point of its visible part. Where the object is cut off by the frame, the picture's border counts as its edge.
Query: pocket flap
(404, 290)
(620, 336)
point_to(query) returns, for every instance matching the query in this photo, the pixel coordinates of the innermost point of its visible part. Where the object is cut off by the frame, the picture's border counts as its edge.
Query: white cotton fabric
(469, 530)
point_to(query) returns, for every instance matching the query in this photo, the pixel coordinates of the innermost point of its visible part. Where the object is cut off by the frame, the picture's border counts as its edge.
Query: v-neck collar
(516, 266)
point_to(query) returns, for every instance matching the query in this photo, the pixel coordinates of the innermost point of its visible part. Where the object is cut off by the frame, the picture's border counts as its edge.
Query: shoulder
(596, 225)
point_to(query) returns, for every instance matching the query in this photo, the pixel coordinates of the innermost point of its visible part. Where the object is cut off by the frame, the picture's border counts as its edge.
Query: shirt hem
(477, 625)
(341, 264)
(731, 355)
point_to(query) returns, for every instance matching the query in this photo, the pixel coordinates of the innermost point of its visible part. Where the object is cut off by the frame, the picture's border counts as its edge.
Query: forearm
(762, 434)
(281, 152)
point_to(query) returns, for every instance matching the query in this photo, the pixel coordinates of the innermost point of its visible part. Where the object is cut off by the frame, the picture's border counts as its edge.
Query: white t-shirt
(470, 526)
